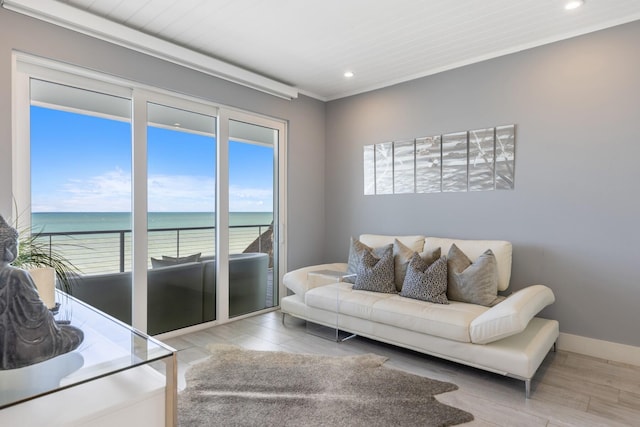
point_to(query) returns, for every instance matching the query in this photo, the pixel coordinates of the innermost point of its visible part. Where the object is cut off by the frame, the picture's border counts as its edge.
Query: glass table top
(109, 347)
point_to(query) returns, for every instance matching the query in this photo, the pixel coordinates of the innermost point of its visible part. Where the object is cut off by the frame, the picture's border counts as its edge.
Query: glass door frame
(139, 212)
(225, 115)
(25, 67)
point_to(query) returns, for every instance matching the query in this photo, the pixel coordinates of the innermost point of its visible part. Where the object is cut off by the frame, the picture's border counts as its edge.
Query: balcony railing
(109, 251)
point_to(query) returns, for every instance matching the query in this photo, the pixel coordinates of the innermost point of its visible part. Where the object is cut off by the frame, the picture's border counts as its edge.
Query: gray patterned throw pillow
(356, 249)
(402, 254)
(475, 283)
(376, 274)
(426, 282)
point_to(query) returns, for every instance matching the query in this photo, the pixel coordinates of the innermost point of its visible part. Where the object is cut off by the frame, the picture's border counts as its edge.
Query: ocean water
(53, 222)
(109, 249)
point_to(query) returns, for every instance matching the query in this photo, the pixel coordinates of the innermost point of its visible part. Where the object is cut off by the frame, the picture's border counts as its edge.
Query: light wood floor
(568, 389)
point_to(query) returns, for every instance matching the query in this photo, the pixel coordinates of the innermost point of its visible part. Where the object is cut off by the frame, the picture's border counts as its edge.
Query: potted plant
(35, 253)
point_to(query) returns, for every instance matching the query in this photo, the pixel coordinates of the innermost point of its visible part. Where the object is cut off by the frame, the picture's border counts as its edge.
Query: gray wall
(305, 116)
(573, 216)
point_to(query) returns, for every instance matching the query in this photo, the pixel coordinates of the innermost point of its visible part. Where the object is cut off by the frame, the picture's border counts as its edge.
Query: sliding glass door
(171, 208)
(181, 177)
(80, 193)
(253, 211)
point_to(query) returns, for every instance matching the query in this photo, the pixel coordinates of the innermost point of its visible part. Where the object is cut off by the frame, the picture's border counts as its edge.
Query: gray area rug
(237, 387)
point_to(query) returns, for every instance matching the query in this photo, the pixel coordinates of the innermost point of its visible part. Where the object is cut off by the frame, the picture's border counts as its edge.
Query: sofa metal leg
(555, 346)
(527, 388)
(283, 314)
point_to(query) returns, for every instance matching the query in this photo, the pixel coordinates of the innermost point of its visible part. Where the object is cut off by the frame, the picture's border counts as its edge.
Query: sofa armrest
(296, 280)
(511, 316)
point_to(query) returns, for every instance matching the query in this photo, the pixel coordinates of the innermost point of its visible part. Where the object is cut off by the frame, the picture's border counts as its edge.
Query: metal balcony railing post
(122, 251)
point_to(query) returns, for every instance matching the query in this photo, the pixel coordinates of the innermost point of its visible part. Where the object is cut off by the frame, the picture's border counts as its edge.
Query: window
(80, 152)
(181, 217)
(157, 198)
(252, 210)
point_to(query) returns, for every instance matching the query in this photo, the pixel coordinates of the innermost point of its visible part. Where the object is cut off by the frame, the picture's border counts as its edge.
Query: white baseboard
(602, 349)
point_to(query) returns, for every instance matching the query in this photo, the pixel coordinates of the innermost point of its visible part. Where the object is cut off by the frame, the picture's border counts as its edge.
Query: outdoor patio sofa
(180, 295)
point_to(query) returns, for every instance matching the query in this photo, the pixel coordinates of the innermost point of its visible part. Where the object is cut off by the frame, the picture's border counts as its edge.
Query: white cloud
(181, 193)
(111, 192)
(243, 199)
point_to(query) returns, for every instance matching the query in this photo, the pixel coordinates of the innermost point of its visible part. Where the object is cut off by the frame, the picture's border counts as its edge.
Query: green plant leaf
(35, 251)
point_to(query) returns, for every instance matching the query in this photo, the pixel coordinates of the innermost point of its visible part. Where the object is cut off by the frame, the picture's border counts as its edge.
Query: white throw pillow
(416, 243)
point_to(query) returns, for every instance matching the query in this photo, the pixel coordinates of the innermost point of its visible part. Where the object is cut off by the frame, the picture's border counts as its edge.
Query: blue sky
(83, 164)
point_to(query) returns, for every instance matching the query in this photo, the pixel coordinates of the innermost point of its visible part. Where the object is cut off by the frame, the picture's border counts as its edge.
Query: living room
(571, 217)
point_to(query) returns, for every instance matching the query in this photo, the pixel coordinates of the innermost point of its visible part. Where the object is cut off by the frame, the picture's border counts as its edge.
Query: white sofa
(506, 339)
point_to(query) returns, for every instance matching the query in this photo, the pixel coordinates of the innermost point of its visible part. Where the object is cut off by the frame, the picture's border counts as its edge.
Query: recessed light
(348, 74)
(573, 4)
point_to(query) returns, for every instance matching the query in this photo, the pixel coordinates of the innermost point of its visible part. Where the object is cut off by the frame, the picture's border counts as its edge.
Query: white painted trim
(71, 75)
(612, 351)
(20, 147)
(139, 212)
(66, 16)
(222, 217)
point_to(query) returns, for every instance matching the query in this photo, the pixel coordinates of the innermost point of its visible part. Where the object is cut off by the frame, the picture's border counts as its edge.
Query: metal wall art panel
(369, 170)
(475, 160)
(404, 167)
(384, 168)
(481, 159)
(505, 157)
(428, 164)
(454, 162)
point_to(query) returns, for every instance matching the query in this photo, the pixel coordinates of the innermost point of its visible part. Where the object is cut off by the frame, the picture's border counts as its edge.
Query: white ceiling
(310, 44)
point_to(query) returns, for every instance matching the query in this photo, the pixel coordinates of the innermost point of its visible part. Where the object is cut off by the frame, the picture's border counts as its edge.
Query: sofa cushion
(416, 243)
(402, 254)
(474, 248)
(426, 281)
(342, 296)
(511, 316)
(376, 274)
(183, 259)
(356, 249)
(475, 283)
(298, 281)
(168, 261)
(449, 321)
